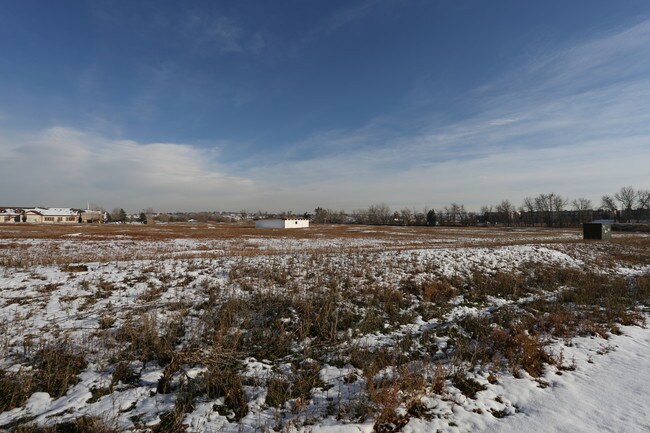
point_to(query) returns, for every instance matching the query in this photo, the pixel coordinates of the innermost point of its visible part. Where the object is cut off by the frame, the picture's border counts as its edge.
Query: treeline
(549, 209)
(203, 217)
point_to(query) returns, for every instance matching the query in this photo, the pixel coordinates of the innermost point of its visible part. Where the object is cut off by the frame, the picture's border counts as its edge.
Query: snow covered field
(227, 328)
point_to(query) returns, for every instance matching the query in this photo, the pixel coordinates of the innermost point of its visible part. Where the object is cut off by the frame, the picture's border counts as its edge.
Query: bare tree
(407, 216)
(505, 209)
(379, 214)
(582, 206)
(626, 196)
(118, 214)
(287, 214)
(320, 215)
(559, 203)
(550, 205)
(455, 213)
(528, 207)
(486, 212)
(643, 199)
(360, 216)
(421, 217)
(328, 216)
(486, 209)
(468, 218)
(608, 203)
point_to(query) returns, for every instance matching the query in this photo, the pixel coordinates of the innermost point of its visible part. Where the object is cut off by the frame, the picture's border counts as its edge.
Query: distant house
(282, 223)
(10, 216)
(92, 216)
(53, 215)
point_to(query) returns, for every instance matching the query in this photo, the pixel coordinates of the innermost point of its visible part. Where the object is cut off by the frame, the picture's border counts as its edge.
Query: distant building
(53, 215)
(92, 216)
(10, 216)
(282, 223)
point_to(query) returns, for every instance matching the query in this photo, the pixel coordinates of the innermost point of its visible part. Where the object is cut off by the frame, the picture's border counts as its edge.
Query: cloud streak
(575, 121)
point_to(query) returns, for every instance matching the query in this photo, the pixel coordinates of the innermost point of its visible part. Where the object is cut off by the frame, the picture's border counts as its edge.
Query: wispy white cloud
(346, 15)
(575, 121)
(215, 32)
(502, 121)
(330, 24)
(619, 56)
(66, 167)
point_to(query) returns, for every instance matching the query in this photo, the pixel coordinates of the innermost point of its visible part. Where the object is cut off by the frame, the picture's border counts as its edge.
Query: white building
(10, 216)
(92, 216)
(286, 223)
(52, 215)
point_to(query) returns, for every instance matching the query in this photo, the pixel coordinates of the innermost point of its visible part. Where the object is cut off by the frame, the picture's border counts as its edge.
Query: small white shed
(287, 223)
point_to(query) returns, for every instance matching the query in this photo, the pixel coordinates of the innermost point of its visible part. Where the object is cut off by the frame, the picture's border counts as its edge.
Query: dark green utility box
(597, 231)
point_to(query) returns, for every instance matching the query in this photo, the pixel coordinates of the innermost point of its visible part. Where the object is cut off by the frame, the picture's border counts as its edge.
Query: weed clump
(56, 368)
(468, 386)
(16, 388)
(146, 343)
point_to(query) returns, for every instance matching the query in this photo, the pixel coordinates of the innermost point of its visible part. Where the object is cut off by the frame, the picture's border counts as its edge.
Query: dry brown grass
(80, 425)
(318, 304)
(241, 231)
(16, 388)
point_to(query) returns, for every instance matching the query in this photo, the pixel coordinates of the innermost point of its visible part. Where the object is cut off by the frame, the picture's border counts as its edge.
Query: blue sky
(289, 105)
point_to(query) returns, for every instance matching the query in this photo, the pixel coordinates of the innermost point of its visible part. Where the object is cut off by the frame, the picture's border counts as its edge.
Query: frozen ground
(606, 393)
(405, 292)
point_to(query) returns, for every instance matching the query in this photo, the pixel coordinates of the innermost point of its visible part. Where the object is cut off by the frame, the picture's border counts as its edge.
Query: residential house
(52, 215)
(92, 216)
(10, 215)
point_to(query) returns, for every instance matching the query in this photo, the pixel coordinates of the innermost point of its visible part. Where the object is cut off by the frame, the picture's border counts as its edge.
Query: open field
(210, 327)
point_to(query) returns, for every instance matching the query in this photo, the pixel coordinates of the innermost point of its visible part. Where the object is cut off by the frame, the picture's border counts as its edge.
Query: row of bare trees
(628, 204)
(631, 202)
(551, 209)
(546, 209)
(382, 214)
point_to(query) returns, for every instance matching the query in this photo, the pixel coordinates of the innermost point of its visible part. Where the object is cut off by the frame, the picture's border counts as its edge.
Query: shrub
(123, 373)
(57, 367)
(225, 381)
(145, 343)
(278, 392)
(15, 389)
(439, 292)
(468, 386)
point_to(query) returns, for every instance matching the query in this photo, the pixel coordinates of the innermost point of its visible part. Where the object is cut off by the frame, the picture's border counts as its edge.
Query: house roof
(9, 212)
(53, 211)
